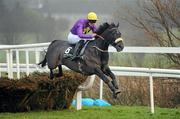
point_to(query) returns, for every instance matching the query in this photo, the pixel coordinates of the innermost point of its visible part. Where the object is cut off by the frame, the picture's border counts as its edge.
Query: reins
(102, 39)
(98, 47)
(100, 36)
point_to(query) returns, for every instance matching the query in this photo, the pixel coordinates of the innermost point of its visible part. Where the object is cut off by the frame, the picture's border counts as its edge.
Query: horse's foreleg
(100, 73)
(51, 74)
(111, 74)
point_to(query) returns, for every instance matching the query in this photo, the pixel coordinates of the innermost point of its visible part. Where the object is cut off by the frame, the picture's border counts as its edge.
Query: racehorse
(94, 59)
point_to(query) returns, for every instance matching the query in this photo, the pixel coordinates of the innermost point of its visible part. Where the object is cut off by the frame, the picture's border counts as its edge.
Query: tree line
(160, 22)
(18, 22)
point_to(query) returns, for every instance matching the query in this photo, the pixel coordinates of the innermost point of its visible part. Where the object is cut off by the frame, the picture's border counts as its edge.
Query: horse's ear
(107, 24)
(117, 24)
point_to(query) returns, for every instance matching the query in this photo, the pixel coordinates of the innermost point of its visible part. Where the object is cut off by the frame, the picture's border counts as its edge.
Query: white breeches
(73, 39)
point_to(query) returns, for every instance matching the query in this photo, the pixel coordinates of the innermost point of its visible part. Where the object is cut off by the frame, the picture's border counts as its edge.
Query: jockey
(78, 34)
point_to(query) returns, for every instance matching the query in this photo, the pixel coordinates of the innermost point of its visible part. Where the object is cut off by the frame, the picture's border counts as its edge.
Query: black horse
(95, 57)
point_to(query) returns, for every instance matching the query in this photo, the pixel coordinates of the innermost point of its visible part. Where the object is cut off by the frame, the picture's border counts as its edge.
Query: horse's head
(112, 35)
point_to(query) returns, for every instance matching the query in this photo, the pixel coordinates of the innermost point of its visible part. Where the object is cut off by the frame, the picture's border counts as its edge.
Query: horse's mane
(103, 27)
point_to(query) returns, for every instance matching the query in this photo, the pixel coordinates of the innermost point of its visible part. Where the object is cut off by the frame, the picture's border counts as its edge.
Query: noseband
(118, 40)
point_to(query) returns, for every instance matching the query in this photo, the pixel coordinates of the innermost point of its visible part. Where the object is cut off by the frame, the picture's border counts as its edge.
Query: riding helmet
(92, 16)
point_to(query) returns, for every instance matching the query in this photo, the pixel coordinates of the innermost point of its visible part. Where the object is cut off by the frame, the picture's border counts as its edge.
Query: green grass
(112, 112)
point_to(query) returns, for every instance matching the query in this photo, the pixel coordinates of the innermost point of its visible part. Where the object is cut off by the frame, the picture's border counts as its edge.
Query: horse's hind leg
(51, 74)
(60, 73)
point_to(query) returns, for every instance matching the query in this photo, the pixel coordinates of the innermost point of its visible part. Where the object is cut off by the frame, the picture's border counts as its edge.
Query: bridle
(98, 47)
(116, 41)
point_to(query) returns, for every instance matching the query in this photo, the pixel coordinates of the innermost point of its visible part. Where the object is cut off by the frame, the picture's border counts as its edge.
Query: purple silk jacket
(81, 27)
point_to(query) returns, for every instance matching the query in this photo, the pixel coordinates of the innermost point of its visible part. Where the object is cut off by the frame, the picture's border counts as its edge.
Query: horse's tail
(43, 63)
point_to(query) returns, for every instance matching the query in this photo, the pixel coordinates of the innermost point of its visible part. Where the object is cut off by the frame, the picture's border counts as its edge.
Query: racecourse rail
(14, 66)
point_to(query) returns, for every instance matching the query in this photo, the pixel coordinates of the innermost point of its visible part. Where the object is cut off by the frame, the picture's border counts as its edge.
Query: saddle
(69, 51)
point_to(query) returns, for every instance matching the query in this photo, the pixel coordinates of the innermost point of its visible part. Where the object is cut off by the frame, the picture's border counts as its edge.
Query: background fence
(13, 66)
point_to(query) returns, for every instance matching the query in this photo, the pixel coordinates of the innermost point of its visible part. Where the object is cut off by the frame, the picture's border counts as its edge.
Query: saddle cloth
(69, 51)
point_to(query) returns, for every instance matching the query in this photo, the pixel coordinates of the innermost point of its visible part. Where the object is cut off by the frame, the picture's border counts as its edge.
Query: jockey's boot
(77, 50)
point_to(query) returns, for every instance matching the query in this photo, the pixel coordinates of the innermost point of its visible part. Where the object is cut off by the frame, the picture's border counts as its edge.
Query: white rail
(148, 49)
(15, 66)
(111, 49)
(11, 47)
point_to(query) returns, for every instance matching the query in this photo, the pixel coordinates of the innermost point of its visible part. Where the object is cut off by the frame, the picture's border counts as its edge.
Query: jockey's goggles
(92, 21)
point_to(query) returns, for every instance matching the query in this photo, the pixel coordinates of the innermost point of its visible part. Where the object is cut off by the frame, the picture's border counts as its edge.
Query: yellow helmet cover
(92, 16)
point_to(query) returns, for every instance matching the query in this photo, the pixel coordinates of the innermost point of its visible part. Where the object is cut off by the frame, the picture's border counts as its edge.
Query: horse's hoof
(115, 93)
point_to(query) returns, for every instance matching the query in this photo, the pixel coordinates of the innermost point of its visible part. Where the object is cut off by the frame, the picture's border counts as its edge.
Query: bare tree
(160, 20)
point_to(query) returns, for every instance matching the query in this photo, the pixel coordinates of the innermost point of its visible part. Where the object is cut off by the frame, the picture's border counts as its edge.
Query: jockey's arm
(82, 35)
(94, 29)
